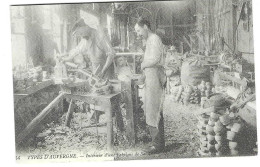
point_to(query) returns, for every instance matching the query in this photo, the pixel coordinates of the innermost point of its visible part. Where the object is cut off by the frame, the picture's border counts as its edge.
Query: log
(31, 126)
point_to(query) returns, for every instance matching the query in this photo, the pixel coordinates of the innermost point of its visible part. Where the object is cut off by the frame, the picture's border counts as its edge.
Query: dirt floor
(180, 136)
(180, 126)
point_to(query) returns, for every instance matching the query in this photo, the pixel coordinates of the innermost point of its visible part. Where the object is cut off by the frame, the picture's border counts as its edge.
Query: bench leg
(69, 113)
(110, 134)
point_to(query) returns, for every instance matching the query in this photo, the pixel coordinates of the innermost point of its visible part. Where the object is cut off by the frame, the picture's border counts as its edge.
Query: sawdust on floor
(180, 136)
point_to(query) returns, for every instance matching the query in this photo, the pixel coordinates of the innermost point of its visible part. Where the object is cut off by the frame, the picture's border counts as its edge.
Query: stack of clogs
(216, 134)
(221, 130)
(205, 89)
(215, 137)
(202, 133)
(234, 129)
(221, 145)
(195, 96)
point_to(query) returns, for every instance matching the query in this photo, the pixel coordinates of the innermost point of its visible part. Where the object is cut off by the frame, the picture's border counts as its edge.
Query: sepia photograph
(133, 80)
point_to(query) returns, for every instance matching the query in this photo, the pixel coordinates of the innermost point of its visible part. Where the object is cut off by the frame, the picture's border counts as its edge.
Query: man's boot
(158, 142)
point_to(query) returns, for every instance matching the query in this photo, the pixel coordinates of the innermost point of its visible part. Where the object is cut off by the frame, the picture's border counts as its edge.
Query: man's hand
(65, 57)
(142, 66)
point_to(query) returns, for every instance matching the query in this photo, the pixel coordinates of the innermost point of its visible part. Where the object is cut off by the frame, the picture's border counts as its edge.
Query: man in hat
(155, 80)
(94, 46)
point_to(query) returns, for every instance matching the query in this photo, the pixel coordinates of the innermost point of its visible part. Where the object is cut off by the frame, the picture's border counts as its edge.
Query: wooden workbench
(248, 112)
(33, 89)
(107, 103)
(110, 104)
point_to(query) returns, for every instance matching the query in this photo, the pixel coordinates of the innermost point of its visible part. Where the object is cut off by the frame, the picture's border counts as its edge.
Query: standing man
(155, 80)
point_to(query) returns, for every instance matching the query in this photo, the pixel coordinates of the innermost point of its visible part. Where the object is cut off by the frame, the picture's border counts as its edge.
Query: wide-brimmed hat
(80, 28)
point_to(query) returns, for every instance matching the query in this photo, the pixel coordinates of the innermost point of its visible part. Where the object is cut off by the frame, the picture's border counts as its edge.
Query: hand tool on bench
(97, 81)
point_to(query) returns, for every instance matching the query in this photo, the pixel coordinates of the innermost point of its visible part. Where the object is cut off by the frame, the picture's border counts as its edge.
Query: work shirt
(154, 79)
(95, 49)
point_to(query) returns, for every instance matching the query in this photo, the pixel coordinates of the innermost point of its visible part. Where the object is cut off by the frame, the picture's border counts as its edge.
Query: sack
(193, 72)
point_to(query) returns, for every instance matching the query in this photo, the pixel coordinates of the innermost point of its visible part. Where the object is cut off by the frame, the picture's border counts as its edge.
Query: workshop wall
(170, 20)
(229, 20)
(245, 41)
(214, 20)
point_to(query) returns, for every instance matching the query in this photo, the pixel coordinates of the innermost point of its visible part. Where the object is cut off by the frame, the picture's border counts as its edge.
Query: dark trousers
(158, 134)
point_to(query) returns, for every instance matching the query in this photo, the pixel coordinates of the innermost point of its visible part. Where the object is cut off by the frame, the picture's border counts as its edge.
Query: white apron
(154, 80)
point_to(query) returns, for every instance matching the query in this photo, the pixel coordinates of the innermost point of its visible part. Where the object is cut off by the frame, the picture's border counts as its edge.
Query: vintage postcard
(133, 80)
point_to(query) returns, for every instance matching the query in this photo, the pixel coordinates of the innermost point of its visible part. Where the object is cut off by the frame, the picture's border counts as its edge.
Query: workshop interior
(82, 83)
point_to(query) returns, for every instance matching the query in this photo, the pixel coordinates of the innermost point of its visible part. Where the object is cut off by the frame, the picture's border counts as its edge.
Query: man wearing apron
(155, 80)
(93, 46)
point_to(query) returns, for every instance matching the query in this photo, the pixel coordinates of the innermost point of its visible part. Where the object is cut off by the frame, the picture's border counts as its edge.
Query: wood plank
(129, 54)
(233, 79)
(78, 82)
(101, 102)
(36, 121)
(33, 89)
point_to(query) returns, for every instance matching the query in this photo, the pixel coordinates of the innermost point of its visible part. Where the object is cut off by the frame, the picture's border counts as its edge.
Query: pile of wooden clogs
(195, 97)
(219, 129)
(234, 129)
(203, 120)
(192, 94)
(205, 89)
(187, 94)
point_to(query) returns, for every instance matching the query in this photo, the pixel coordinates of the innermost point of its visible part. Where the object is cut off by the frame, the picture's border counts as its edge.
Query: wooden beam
(234, 26)
(35, 122)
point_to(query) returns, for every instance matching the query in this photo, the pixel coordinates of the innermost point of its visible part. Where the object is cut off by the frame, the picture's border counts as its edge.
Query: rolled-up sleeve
(79, 49)
(106, 47)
